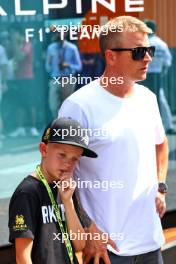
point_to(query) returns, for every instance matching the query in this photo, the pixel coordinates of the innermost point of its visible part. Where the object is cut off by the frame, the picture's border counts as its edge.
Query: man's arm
(162, 166)
(83, 216)
(48, 60)
(23, 247)
(76, 60)
(162, 160)
(94, 248)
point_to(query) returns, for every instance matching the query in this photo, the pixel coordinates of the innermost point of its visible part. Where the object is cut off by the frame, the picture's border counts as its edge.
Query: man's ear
(43, 149)
(110, 57)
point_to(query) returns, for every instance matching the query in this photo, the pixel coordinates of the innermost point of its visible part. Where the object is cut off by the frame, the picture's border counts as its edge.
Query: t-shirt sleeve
(22, 216)
(159, 129)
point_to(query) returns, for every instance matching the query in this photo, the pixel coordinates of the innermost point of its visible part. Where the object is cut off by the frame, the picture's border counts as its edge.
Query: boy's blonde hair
(111, 32)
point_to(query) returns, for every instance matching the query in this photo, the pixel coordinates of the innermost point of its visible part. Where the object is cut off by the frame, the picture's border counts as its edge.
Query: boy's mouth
(64, 174)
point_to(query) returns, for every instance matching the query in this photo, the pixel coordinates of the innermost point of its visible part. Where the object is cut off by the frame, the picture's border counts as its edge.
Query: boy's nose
(67, 166)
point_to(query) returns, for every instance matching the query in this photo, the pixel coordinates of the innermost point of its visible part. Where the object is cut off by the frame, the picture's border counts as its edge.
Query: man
(157, 69)
(62, 62)
(37, 225)
(133, 152)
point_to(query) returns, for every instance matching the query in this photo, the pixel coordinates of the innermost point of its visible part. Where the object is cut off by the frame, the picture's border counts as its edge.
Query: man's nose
(147, 57)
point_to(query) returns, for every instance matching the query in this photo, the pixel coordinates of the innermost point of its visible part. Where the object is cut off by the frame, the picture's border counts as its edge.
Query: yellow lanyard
(57, 213)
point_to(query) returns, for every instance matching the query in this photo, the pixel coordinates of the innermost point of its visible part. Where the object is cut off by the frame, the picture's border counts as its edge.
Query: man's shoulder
(86, 92)
(70, 45)
(143, 90)
(52, 46)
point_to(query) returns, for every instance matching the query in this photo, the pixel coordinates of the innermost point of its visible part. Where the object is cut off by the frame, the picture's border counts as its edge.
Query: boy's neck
(44, 172)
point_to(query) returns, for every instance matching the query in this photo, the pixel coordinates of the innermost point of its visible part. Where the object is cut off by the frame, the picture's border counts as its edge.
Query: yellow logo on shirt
(19, 223)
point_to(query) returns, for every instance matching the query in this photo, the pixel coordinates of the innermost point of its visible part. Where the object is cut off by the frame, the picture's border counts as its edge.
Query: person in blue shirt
(62, 63)
(156, 70)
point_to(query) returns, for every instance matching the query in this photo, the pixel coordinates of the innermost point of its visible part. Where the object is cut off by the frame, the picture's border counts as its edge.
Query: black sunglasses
(139, 52)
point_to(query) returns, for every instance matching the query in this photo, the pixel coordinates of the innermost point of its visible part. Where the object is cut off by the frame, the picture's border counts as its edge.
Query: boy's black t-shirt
(31, 215)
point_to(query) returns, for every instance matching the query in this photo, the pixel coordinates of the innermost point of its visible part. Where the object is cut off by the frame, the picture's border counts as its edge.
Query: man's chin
(142, 78)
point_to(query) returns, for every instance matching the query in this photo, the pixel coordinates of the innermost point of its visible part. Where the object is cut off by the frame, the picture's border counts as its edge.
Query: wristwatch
(162, 187)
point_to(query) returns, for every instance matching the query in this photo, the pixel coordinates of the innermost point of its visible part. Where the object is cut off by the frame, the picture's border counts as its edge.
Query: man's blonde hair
(111, 32)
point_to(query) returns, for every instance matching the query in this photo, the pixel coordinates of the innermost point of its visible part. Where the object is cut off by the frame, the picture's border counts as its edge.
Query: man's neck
(123, 90)
(61, 43)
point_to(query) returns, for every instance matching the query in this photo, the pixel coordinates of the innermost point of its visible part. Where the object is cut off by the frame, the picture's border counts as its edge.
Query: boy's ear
(42, 148)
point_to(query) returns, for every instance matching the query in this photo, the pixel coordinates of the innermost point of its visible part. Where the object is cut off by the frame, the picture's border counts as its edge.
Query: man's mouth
(144, 68)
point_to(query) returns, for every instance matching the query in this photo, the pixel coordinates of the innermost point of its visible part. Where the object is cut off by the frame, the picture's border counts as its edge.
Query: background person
(62, 60)
(8, 106)
(33, 221)
(135, 151)
(92, 67)
(25, 90)
(3, 83)
(157, 70)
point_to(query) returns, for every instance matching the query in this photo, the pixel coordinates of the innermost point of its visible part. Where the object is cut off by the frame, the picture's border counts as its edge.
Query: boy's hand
(67, 187)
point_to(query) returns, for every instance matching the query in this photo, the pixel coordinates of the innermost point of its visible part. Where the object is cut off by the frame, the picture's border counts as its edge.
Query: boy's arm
(73, 224)
(23, 248)
(22, 224)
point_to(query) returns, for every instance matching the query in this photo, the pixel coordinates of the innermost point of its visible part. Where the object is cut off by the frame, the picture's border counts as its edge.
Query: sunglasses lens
(151, 51)
(139, 53)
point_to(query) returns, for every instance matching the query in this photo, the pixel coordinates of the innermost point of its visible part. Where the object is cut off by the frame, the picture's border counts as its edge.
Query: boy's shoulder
(29, 186)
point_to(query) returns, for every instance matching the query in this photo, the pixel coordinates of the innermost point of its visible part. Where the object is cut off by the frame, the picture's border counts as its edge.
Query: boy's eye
(74, 159)
(62, 155)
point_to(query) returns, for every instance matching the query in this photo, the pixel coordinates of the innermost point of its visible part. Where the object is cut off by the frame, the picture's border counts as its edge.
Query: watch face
(162, 187)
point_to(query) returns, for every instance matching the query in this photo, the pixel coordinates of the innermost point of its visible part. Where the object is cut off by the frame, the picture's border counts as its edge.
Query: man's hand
(97, 249)
(64, 65)
(160, 204)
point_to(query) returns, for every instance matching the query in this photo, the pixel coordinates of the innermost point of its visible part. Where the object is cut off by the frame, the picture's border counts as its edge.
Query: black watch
(162, 187)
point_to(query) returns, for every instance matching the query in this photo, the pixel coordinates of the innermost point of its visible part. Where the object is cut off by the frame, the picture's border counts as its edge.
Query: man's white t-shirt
(124, 132)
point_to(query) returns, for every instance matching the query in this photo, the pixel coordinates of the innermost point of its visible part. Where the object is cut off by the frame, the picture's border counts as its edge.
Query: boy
(36, 223)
